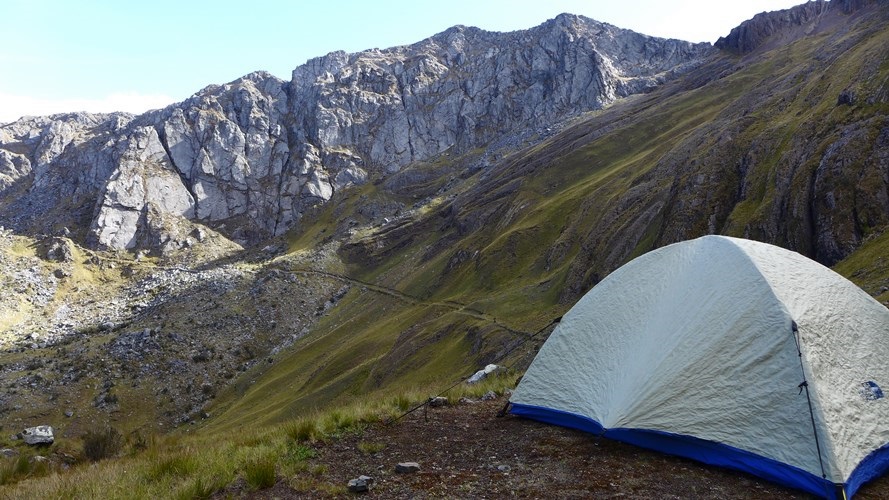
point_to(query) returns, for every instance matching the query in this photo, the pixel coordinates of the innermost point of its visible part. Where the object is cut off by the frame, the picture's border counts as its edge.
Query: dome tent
(731, 352)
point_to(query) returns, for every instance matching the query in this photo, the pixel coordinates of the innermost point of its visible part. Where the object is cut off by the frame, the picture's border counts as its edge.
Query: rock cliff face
(788, 23)
(254, 154)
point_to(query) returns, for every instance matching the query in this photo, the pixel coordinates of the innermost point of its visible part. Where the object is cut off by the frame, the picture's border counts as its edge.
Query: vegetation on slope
(418, 281)
(746, 146)
(186, 465)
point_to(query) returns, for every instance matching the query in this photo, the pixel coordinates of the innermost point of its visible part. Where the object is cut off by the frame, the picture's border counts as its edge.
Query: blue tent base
(871, 467)
(713, 453)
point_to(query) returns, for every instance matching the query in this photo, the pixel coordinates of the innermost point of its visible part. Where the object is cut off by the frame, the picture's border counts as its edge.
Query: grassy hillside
(753, 146)
(409, 284)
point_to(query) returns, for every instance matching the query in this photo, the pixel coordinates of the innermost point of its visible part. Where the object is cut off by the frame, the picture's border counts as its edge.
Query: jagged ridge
(754, 33)
(258, 152)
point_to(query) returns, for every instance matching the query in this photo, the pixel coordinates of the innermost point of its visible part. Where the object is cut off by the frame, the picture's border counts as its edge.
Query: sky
(124, 55)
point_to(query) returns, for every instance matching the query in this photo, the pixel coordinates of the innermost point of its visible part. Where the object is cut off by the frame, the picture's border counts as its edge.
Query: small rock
(37, 459)
(8, 452)
(358, 485)
(369, 480)
(69, 413)
(61, 273)
(438, 401)
(846, 97)
(59, 250)
(199, 234)
(40, 435)
(407, 467)
(467, 401)
(489, 396)
(504, 468)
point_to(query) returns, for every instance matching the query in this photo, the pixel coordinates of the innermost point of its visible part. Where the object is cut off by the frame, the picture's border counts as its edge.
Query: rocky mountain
(435, 206)
(255, 154)
(784, 144)
(783, 26)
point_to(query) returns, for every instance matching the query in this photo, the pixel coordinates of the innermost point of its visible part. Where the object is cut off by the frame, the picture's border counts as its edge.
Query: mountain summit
(437, 206)
(255, 154)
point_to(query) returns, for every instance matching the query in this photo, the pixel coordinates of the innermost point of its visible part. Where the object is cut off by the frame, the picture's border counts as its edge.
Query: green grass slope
(756, 146)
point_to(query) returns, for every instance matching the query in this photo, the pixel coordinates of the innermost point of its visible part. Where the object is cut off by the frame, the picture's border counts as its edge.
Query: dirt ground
(466, 451)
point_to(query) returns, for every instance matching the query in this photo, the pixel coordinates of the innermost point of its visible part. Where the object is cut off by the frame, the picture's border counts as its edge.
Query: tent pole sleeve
(805, 385)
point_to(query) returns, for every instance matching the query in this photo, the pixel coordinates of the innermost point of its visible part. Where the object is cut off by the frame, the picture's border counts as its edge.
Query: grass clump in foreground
(99, 445)
(260, 473)
(369, 448)
(22, 467)
(203, 465)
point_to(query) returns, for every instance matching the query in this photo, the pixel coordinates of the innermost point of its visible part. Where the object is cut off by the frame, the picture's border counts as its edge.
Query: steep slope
(146, 339)
(250, 157)
(422, 272)
(763, 145)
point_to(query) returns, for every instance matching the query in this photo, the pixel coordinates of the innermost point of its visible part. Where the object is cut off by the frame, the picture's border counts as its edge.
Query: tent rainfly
(731, 352)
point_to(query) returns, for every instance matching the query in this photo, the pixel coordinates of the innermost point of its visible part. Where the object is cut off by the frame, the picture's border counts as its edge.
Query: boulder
(438, 401)
(407, 467)
(358, 485)
(58, 250)
(40, 435)
(483, 373)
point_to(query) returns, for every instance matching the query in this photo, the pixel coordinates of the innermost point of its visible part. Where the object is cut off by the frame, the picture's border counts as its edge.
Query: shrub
(98, 445)
(13, 469)
(260, 473)
(303, 430)
(402, 402)
(138, 442)
(302, 484)
(300, 453)
(21, 468)
(339, 421)
(200, 488)
(176, 466)
(369, 448)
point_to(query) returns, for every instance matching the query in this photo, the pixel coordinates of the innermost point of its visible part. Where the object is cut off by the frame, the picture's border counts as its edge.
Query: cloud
(12, 107)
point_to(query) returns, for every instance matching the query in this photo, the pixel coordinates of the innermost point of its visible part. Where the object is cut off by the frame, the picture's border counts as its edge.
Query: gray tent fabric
(705, 343)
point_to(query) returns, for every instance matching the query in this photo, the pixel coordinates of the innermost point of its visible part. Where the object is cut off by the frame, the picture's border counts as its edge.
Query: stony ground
(466, 451)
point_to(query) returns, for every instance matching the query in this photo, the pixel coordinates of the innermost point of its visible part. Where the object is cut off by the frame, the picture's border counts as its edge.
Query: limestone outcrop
(256, 153)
